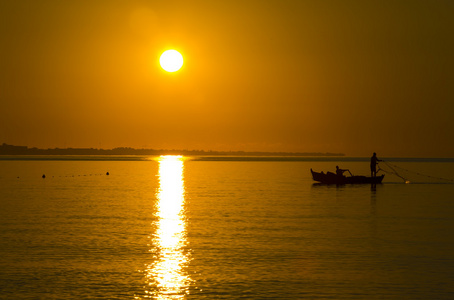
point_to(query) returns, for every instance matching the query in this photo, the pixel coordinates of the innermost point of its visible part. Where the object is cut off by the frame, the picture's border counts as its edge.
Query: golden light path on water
(166, 276)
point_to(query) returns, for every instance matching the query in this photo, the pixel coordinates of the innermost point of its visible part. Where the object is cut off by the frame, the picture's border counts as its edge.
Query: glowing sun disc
(171, 60)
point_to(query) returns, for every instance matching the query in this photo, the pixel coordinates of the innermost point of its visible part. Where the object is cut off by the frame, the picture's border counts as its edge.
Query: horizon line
(6, 149)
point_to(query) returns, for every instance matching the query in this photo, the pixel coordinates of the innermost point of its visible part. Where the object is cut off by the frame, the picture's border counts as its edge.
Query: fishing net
(409, 176)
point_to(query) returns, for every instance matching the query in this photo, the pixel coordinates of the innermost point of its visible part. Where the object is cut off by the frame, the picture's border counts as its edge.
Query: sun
(171, 60)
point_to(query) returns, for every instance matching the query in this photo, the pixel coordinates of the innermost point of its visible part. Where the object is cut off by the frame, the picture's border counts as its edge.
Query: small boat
(331, 178)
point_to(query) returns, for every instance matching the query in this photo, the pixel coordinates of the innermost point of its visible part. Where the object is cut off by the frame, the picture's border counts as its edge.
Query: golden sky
(329, 76)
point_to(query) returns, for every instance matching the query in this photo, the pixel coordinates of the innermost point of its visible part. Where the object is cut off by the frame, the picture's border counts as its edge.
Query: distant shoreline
(6, 149)
(220, 158)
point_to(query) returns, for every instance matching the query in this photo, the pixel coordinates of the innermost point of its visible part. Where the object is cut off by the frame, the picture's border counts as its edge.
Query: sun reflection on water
(166, 276)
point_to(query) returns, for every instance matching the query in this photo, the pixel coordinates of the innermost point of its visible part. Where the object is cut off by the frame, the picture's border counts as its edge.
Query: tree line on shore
(6, 149)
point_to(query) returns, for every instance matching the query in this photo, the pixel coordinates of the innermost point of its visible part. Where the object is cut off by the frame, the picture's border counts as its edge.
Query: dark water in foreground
(174, 228)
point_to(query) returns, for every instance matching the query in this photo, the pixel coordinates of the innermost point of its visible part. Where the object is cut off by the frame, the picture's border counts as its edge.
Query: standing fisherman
(373, 165)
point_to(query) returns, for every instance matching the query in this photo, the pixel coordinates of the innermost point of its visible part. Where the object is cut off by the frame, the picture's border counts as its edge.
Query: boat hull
(331, 178)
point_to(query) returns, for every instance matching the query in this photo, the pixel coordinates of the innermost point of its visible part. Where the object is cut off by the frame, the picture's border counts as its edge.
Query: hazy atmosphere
(300, 76)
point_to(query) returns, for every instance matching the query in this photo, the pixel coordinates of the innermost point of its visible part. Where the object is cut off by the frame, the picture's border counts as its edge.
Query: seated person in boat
(340, 172)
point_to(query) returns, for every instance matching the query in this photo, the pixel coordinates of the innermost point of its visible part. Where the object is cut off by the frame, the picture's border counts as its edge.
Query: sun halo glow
(171, 60)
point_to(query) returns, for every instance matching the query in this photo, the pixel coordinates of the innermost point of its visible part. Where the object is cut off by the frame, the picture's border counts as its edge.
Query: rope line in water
(410, 171)
(80, 175)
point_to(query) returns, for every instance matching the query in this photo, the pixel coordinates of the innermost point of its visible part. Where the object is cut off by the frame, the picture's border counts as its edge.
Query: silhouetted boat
(331, 178)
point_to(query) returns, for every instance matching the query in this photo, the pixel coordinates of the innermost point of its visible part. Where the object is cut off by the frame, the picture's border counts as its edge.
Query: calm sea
(223, 228)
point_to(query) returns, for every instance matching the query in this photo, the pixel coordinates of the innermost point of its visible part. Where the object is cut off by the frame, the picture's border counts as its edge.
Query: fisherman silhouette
(373, 165)
(340, 172)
